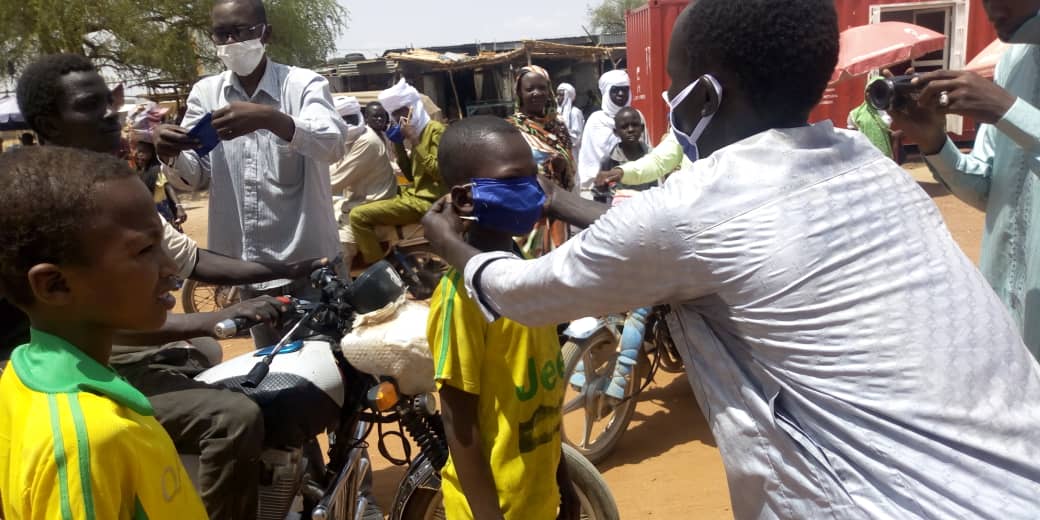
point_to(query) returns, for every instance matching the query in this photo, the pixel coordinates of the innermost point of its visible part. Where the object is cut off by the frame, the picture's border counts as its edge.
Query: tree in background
(157, 39)
(609, 17)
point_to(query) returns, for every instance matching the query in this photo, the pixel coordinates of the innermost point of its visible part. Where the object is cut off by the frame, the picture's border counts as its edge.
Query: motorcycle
(309, 383)
(594, 420)
(409, 253)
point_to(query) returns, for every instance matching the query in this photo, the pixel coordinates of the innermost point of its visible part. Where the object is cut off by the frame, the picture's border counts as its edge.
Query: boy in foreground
(501, 383)
(81, 254)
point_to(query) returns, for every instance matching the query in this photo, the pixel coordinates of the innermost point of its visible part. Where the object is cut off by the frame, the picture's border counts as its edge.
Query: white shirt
(575, 122)
(269, 199)
(850, 359)
(365, 173)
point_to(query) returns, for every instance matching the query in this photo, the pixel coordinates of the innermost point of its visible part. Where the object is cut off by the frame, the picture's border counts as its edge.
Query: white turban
(348, 106)
(609, 80)
(404, 95)
(569, 95)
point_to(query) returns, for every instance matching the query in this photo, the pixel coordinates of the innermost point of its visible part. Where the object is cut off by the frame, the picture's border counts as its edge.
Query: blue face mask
(508, 205)
(689, 142)
(394, 133)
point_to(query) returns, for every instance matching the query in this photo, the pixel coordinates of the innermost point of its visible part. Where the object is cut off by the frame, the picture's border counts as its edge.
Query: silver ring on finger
(944, 99)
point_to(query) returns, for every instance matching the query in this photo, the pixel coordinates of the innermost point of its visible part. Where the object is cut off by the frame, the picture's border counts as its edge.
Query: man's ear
(266, 38)
(462, 200)
(46, 127)
(49, 285)
(712, 100)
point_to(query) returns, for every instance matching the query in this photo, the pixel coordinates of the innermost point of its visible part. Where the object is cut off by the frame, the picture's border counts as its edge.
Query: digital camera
(892, 93)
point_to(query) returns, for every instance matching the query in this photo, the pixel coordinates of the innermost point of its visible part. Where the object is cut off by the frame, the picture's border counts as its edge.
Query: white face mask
(689, 142)
(241, 57)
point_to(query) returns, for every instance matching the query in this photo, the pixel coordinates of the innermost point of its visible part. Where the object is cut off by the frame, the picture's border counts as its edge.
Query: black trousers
(225, 428)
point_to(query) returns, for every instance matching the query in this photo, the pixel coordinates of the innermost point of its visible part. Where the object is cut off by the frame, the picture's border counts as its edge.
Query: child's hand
(181, 215)
(608, 177)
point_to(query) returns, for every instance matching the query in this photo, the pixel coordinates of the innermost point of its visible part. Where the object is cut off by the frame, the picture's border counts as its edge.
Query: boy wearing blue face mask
(500, 383)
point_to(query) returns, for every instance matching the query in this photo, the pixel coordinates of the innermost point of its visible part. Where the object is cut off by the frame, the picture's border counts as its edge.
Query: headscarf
(546, 135)
(569, 95)
(349, 106)
(609, 80)
(404, 95)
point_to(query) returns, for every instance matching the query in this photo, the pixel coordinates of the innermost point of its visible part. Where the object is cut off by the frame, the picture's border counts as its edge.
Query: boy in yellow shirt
(501, 383)
(81, 254)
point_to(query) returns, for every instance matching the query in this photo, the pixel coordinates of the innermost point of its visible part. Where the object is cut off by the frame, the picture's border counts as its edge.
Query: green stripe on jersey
(83, 451)
(446, 324)
(139, 513)
(59, 457)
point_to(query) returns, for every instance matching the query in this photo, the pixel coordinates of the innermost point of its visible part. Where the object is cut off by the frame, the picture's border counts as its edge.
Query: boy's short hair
(627, 111)
(47, 198)
(464, 143)
(39, 87)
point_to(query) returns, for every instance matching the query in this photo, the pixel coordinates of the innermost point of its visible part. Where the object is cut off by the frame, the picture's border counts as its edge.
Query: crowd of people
(849, 358)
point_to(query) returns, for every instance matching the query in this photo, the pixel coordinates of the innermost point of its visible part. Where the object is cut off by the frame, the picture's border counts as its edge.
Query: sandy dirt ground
(666, 465)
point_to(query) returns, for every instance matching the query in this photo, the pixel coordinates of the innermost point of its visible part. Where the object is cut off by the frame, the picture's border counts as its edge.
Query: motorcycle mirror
(383, 396)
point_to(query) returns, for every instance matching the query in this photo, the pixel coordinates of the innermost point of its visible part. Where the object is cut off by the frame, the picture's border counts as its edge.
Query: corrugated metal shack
(476, 79)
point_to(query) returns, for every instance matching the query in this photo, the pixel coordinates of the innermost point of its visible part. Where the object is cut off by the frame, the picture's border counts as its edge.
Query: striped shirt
(270, 199)
(77, 442)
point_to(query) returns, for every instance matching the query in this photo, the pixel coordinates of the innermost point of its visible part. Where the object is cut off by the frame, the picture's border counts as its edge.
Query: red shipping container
(650, 29)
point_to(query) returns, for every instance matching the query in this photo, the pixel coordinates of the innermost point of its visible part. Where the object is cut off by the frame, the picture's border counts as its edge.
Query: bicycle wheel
(592, 423)
(205, 297)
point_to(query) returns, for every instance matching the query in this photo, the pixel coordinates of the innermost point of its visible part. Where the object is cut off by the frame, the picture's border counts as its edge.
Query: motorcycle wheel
(205, 297)
(597, 502)
(428, 270)
(590, 424)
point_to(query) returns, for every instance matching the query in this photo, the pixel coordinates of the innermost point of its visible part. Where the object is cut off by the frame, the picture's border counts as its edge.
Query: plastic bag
(392, 342)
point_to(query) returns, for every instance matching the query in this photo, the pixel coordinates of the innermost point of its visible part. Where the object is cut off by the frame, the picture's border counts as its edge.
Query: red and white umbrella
(984, 63)
(876, 46)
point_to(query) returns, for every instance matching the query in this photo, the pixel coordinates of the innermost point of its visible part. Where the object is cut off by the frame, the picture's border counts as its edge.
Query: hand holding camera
(919, 103)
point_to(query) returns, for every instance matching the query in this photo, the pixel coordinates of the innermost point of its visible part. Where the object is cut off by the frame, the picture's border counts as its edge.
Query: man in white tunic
(850, 359)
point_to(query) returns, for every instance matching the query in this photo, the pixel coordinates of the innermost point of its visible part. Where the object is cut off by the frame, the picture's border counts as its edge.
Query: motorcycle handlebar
(229, 328)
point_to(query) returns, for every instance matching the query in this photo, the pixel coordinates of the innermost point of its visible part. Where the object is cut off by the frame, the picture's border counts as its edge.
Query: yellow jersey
(517, 372)
(77, 442)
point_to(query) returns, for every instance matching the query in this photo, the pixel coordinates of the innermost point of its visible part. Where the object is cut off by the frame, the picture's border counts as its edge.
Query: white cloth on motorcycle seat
(392, 342)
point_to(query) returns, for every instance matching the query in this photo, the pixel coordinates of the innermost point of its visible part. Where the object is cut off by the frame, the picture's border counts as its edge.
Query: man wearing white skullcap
(599, 139)
(365, 173)
(410, 124)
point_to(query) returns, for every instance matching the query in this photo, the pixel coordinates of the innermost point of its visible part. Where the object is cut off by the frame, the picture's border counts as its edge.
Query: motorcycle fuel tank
(301, 395)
